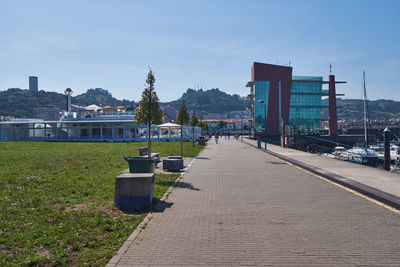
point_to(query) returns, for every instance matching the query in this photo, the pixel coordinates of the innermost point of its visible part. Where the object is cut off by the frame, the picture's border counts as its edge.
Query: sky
(197, 44)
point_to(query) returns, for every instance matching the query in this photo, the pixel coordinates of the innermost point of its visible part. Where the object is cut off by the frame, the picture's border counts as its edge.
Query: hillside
(213, 100)
(20, 103)
(378, 109)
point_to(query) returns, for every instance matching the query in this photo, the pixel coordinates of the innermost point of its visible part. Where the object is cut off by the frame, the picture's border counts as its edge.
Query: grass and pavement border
(57, 205)
(117, 257)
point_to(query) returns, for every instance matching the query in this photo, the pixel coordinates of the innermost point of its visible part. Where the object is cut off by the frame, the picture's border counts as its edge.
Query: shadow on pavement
(276, 162)
(187, 186)
(202, 158)
(162, 206)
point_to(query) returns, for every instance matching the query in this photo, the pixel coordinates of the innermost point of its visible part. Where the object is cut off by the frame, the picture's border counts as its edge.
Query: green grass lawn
(56, 200)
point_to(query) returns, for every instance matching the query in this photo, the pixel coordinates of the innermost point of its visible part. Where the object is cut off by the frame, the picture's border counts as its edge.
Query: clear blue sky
(110, 44)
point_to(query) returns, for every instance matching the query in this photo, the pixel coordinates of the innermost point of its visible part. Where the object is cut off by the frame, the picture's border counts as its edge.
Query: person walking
(216, 137)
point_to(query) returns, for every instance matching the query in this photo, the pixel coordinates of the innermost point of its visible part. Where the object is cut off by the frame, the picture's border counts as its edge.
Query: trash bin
(202, 141)
(140, 164)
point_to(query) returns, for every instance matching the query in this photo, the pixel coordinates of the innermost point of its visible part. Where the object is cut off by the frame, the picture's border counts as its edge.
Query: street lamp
(68, 93)
(241, 124)
(265, 126)
(247, 109)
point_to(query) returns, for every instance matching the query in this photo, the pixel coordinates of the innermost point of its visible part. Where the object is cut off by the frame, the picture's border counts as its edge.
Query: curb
(371, 192)
(117, 257)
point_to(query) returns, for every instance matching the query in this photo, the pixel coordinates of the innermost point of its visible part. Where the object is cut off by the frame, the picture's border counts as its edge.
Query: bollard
(387, 149)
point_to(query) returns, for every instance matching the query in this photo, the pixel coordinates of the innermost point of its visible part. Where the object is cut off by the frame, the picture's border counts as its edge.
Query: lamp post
(241, 124)
(68, 93)
(247, 109)
(265, 125)
(386, 139)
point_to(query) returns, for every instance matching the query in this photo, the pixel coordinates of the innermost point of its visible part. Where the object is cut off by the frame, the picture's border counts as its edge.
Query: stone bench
(134, 191)
(144, 152)
(173, 163)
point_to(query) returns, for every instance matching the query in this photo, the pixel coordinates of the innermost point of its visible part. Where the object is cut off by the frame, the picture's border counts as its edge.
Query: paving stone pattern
(240, 206)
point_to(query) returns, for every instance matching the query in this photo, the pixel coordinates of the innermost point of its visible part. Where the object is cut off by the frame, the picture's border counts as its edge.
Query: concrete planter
(173, 164)
(174, 157)
(134, 191)
(140, 164)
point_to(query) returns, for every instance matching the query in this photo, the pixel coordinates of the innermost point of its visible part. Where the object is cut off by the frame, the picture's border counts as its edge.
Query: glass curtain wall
(306, 104)
(261, 92)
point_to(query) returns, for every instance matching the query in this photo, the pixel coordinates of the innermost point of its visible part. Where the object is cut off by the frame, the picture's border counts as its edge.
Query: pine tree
(203, 125)
(183, 119)
(221, 124)
(194, 121)
(149, 111)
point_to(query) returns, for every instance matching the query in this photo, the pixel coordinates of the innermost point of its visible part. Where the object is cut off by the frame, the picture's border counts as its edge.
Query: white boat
(395, 152)
(361, 155)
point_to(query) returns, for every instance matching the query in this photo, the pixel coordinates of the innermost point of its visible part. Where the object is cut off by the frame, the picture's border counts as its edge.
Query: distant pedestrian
(229, 135)
(225, 135)
(216, 137)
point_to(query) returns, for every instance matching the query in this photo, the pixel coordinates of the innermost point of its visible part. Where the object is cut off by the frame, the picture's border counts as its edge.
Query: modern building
(33, 84)
(280, 99)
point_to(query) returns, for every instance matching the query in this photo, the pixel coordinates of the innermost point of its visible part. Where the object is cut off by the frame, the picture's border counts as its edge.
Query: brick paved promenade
(240, 206)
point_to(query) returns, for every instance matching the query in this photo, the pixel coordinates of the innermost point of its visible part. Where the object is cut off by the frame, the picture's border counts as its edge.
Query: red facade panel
(274, 74)
(333, 131)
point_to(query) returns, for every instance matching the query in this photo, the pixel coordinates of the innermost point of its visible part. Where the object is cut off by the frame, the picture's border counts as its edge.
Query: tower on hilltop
(33, 83)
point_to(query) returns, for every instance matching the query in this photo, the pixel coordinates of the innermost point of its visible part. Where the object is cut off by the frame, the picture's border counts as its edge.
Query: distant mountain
(20, 103)
(213, 100)
(100, 97)
(378, 109)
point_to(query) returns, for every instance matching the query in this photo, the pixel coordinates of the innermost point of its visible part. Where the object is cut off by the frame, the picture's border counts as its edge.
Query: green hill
(378, 109)
(20, 103)
(213, 100)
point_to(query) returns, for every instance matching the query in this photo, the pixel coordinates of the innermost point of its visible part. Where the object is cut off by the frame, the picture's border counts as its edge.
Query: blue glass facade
(261, 92)
(295, 100)
(306, 103)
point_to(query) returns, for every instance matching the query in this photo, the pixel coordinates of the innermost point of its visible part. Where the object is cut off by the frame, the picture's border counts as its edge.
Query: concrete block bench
(173, 163)
(134, 191)
(144, 152)
(175, 157)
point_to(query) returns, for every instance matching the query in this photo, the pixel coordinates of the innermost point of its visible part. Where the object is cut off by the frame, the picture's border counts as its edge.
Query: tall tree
(183, 119)
(203, 125)
(149, 111)
(183, 115)
(221, 124)
(194, 121)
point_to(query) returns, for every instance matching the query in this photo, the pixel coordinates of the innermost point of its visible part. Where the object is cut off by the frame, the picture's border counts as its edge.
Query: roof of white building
(93, 107)
(169, 125)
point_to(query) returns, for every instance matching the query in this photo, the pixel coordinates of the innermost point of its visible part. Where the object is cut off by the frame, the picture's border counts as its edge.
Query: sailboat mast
(365, 113)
